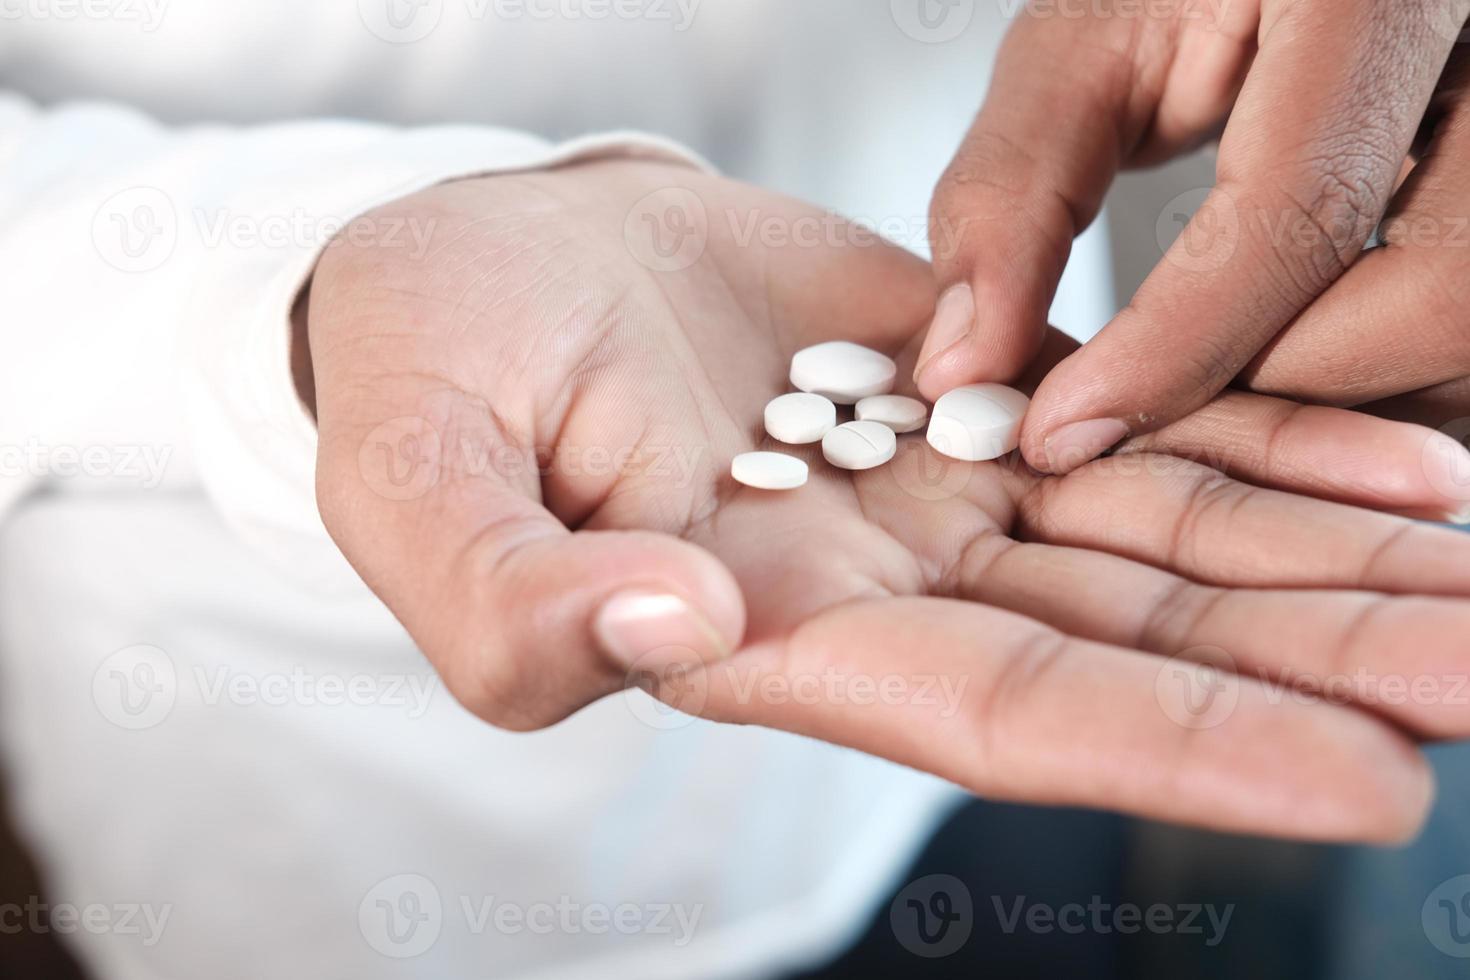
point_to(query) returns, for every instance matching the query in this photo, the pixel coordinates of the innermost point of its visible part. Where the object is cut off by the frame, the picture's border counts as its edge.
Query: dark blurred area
(25, 954)
(1014, 860)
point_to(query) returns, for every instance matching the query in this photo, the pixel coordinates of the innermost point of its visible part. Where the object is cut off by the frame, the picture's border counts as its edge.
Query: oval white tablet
(899, 413)
(978, 422)
(800, 419)
(860, 445)
(843, 372)
(769, 471)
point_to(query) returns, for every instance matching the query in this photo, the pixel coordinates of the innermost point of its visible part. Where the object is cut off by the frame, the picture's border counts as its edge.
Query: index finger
(1309, 158)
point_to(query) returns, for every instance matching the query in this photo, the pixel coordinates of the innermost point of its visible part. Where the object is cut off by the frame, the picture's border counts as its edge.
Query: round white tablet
(800, 419)
(843, 372)
(978, 422)
(860, 445)
(895, 411)
(769, 471)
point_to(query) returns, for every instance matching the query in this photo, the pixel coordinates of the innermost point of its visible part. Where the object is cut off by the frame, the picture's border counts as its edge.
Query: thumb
(525, 620)
(1029, 177)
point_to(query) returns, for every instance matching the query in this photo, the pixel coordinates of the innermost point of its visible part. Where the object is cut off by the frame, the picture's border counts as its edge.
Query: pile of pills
(974, 423)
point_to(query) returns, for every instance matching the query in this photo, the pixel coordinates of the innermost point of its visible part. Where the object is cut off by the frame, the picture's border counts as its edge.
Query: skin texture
(1333, 115)
(1051, 607)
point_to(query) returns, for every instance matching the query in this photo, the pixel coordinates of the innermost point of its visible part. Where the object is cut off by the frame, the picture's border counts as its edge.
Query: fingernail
(1081, 442)
(954, 318)
(652, 628)
(1447, 468)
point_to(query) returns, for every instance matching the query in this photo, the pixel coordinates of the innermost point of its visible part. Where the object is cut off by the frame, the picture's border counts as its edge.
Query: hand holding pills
(1339, 118)
(525, 446)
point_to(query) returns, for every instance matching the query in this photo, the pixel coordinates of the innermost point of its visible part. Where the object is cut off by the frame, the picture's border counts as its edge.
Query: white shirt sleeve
(150, 275)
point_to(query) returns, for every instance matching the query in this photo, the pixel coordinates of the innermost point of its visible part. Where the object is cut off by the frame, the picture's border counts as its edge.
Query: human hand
(1321, 102)
(1389, 337)
(1047, 606)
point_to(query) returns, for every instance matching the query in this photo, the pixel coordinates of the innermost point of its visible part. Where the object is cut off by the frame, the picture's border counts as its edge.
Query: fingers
(1309, 158)
(1350, 457)
(1397, 322)
(525, 621)
(1064, 107)
(1401, 658)
(1444, 406)
(1011, 709)
(1192, 521)
(1326, 453)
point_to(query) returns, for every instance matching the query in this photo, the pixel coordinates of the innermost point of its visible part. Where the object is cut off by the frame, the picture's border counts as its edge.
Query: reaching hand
(525, 442)
(1325, 106)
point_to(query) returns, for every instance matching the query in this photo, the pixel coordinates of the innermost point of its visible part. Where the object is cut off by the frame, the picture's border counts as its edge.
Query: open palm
(575, 361)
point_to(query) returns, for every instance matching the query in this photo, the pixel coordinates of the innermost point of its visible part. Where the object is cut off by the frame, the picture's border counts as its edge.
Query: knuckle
(1211, 496)
(1205, 363)
(991, 184)
(484, 658)
(491, 685)
(1208, 362)
(1341, 207)
(986, 172)
(998, 716)
(1319, 227)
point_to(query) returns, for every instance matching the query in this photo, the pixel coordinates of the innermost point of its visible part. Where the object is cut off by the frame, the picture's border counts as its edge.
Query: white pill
(800, 419)
(978, 422)
(860, 445)
(843, 372)
(895, 411)
(769, 471)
